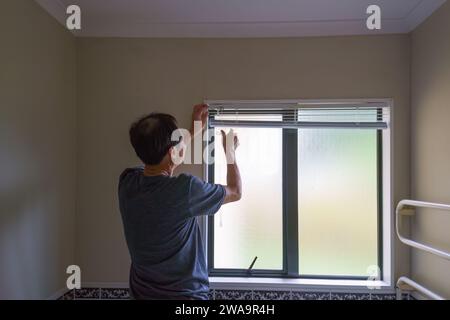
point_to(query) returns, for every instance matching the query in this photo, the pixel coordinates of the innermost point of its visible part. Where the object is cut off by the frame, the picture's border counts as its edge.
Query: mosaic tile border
(219, 294)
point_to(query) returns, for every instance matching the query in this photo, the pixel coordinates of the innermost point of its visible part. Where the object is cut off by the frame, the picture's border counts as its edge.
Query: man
(158, 211)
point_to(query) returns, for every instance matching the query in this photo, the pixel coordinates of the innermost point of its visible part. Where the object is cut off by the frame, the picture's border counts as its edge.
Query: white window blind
(369, 115)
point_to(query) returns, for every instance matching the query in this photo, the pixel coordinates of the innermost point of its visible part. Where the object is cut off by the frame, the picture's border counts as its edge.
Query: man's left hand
(200, 113)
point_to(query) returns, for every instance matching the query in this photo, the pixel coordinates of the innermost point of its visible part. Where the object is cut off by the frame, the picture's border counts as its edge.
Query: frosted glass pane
(337, 201)
(252, 226)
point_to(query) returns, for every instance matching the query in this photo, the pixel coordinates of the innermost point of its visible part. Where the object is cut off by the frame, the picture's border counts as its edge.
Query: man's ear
(177, 153)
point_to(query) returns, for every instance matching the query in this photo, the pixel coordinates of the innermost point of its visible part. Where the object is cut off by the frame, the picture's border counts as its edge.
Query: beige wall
(121, 79)
(37, 151)
(430, 144)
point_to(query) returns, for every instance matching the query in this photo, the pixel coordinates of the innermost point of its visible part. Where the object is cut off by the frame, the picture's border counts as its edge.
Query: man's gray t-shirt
(162, 234)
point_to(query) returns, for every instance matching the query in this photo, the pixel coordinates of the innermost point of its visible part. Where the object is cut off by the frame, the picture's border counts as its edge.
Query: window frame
(290, 217)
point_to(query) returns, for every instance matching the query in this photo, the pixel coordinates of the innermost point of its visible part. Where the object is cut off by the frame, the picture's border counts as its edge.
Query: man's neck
(158, 170)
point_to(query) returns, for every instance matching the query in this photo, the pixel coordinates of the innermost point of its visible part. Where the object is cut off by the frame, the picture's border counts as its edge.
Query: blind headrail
(370, 115)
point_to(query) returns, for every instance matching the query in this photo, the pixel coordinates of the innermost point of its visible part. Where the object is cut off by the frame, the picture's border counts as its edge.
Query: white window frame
(385, 285)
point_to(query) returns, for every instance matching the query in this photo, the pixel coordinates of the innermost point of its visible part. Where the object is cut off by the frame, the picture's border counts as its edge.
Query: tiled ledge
(216, 294)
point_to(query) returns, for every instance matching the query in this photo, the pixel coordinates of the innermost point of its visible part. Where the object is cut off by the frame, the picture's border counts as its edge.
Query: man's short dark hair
(151, 137)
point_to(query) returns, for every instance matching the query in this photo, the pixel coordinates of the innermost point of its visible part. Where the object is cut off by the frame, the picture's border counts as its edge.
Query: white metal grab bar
(413, 203)
(406, 206)
(417, 287)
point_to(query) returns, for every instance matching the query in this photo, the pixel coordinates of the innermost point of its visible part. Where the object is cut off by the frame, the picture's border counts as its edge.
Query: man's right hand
(230, 142)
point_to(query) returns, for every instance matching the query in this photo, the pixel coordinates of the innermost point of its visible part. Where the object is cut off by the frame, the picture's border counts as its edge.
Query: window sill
(298, 284)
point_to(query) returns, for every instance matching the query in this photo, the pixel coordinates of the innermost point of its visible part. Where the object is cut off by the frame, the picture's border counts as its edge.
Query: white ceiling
(239, 18)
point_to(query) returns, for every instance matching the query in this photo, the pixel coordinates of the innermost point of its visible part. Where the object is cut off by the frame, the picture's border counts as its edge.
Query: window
(312, 205)
(259, 233)
(337, 201)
